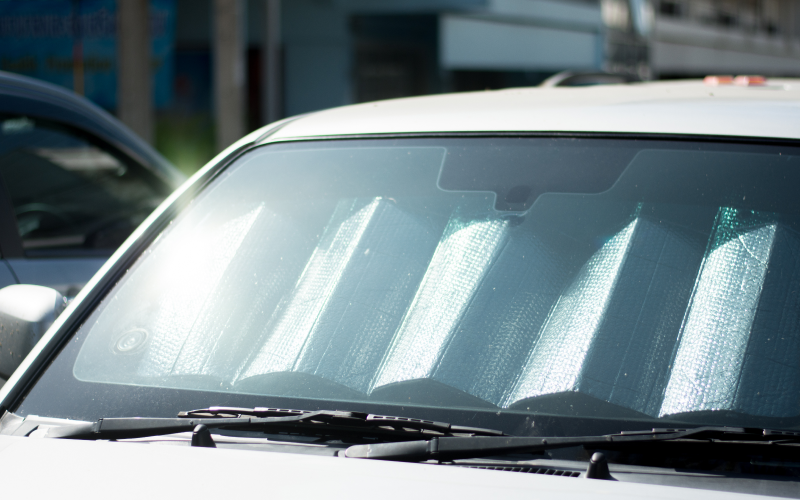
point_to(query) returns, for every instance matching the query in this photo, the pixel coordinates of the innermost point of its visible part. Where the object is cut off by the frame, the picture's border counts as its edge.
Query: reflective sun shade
(377, 272)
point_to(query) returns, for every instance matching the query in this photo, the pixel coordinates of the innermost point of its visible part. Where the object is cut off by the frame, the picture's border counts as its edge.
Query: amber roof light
(715, 80)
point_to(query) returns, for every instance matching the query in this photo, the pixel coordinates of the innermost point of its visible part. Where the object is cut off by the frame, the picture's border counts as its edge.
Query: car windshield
(584, 285)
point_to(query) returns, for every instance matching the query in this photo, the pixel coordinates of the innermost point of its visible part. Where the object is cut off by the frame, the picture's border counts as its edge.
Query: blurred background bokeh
(192, 76)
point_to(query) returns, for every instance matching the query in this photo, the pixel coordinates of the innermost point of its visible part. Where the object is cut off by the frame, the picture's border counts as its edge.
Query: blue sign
(73, 43)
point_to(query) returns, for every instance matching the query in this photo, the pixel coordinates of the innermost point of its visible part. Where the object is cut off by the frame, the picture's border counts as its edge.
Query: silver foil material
(612, 332)
(504, 316)
(556, 361)
(196, 273)
(650, 322)
(770, 379)
(263, 271)
(346, 306)
(354, 331)
(170, 291)
(628, 362)
(740, 334)
(461, 261)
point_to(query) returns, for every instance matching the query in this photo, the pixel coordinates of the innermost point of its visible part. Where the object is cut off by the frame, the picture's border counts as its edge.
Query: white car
(529, 293)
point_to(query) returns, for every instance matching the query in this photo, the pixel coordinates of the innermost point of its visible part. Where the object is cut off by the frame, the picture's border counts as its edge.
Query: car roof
(37, 99)
(671, 107)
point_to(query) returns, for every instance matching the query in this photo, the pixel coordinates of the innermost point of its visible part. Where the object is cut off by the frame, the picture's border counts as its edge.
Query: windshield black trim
(45, 356)
(719, 139)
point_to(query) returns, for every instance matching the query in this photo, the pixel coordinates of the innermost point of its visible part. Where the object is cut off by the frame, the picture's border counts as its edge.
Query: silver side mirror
(26, 312)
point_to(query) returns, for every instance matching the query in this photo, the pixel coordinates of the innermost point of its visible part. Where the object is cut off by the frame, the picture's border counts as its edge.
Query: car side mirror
(26, 312)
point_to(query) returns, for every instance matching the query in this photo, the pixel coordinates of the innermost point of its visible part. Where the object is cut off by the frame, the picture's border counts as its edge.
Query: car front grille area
(528, 470)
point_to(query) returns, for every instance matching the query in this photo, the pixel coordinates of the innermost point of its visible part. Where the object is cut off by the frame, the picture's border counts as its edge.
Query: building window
(669, 8)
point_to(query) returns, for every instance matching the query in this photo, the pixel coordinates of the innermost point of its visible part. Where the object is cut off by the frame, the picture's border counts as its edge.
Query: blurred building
(224, 67)
(699, 37)
(336, 52)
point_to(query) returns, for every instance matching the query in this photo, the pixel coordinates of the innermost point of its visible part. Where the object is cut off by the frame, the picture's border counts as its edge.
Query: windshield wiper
(368, 420)
(451, 448)
(258, 419)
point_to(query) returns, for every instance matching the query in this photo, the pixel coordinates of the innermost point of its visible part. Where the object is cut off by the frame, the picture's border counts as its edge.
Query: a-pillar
(134, 75)
(229, 70)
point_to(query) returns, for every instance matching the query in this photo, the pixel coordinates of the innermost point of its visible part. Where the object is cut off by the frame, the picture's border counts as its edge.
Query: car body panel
(130, 470)
(653, 108)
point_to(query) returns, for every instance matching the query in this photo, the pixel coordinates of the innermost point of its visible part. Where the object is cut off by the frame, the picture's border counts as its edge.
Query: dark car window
(70, 193)
(498, 279)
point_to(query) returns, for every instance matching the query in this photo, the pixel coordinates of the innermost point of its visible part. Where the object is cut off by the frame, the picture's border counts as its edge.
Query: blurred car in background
(74, 183)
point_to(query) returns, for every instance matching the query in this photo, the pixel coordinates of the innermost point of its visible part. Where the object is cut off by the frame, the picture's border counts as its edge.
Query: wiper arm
(259, 418)
(365, 419)
(451, 448)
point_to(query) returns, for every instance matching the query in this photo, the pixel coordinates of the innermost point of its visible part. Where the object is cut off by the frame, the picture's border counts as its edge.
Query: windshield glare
(605, 280)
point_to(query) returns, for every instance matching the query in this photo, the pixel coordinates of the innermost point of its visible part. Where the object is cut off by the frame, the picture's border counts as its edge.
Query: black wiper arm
(257, 418)
(136, 427)
(365, 419)
(451, 448)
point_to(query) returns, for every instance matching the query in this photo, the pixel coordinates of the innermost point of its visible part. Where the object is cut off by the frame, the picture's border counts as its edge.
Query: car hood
(50, 468)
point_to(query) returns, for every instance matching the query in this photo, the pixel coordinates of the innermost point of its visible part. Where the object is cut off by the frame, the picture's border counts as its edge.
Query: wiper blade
(257, 419)
(451, 448)
(369, 420)
(365, 419)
